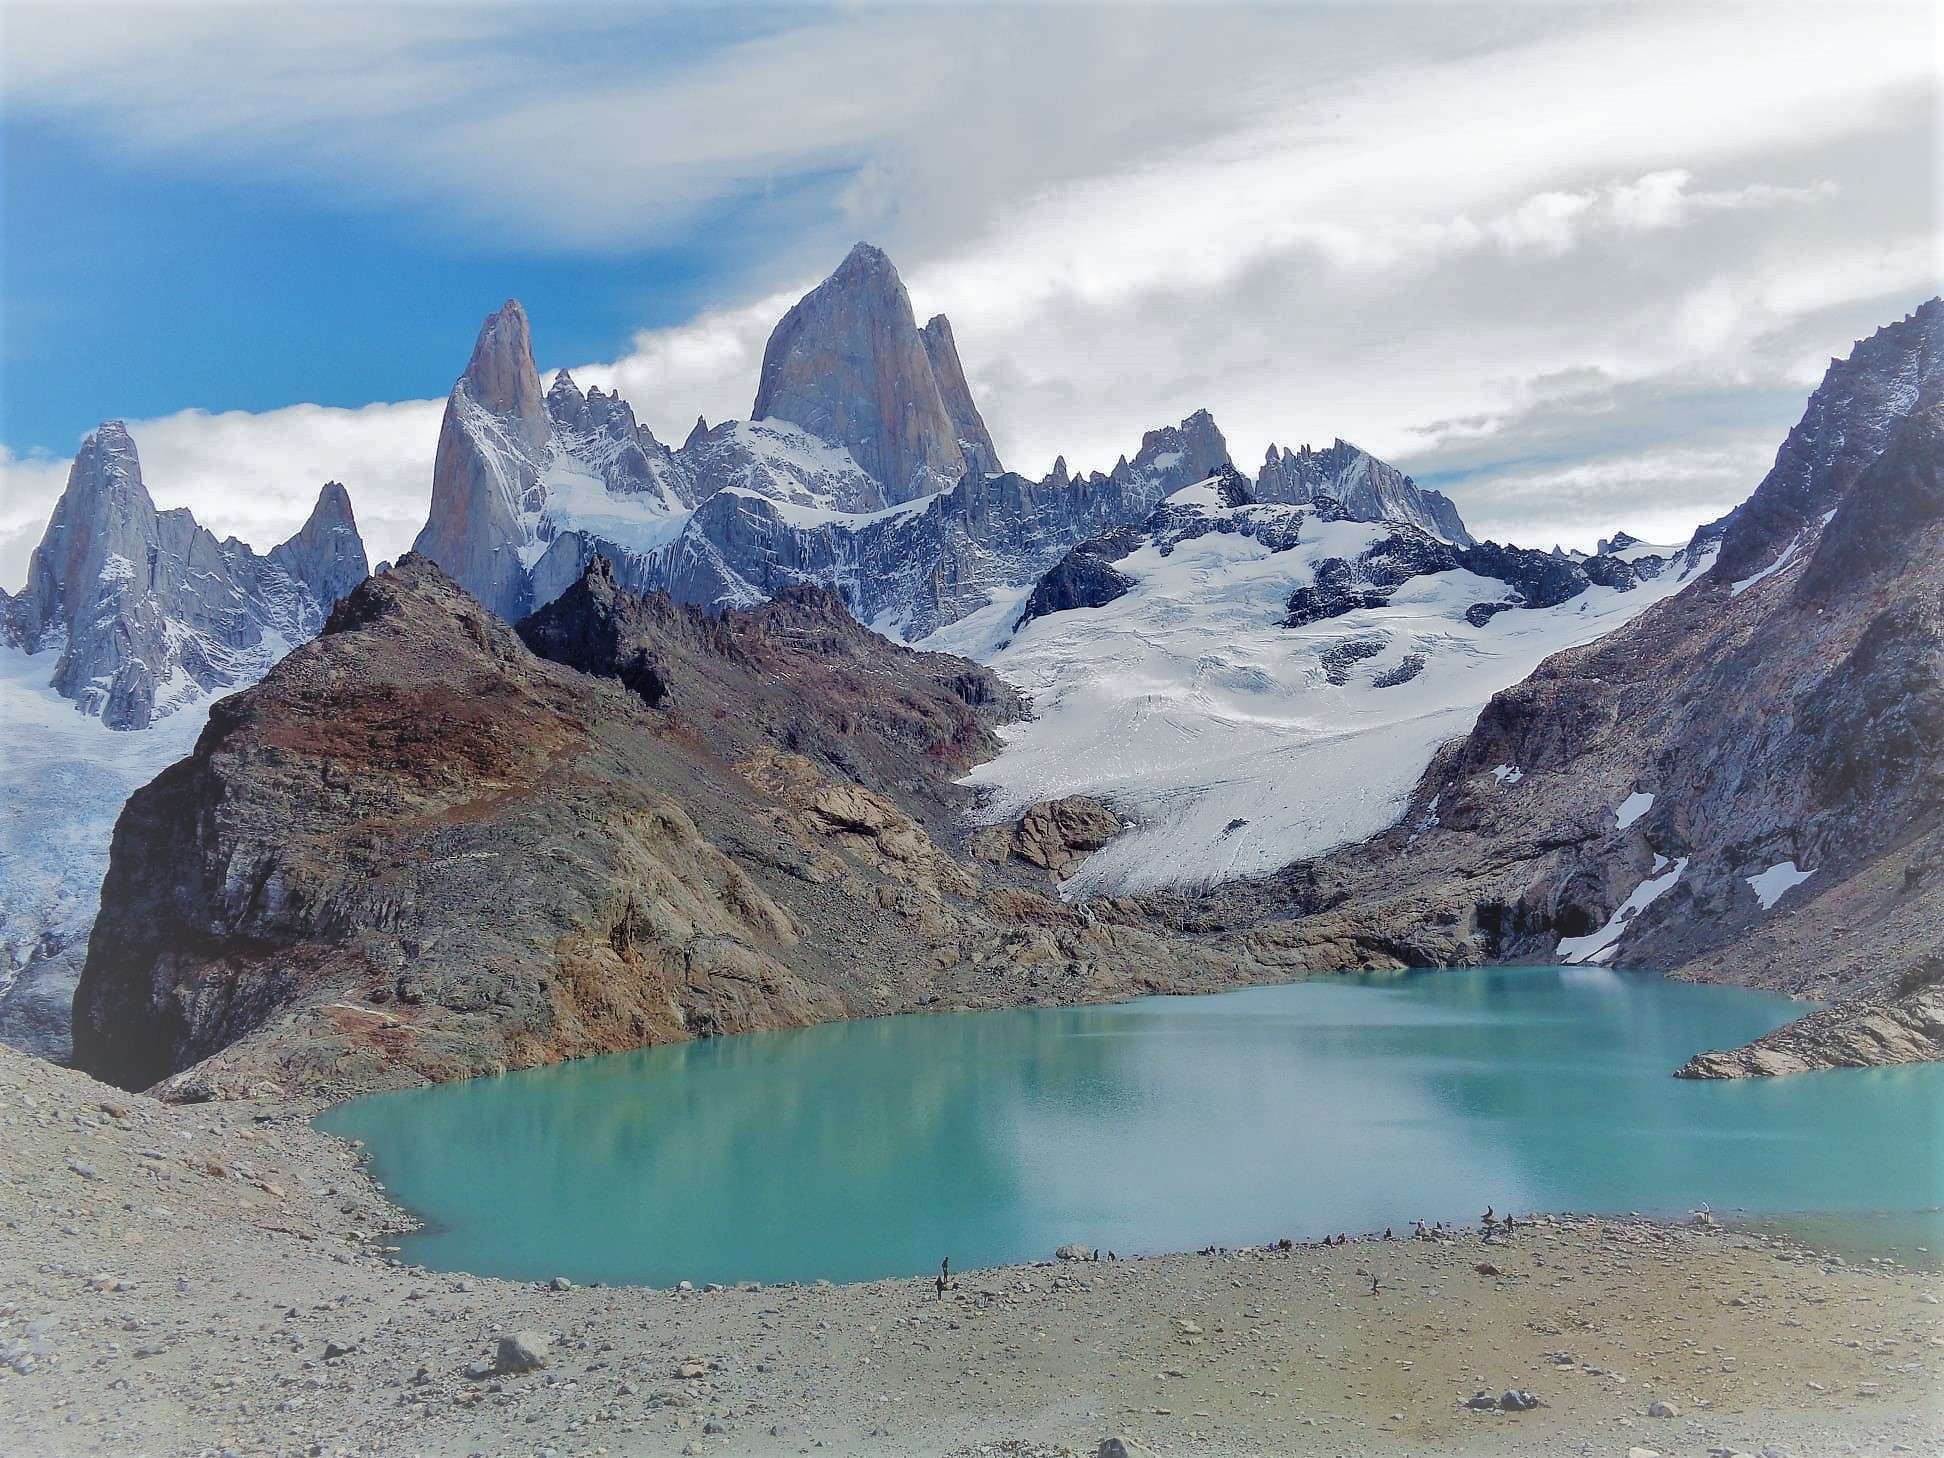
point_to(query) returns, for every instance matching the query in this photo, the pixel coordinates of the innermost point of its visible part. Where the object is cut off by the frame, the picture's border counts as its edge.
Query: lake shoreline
(182, 1278)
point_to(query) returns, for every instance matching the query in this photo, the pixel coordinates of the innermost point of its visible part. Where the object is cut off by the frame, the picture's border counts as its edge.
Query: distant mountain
(148, 610)
(1248, 682)
(866, 467)
(1363, 488)
(132, 620)
(848, 365)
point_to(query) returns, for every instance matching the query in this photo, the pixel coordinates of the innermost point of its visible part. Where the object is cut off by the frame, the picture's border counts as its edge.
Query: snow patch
(1507, 774)
(1599, 945)
(1788, 556)
(1770, 885)
(1632, 808)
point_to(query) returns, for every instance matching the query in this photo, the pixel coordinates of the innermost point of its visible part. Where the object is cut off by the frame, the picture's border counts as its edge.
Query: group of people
(1490, 1222)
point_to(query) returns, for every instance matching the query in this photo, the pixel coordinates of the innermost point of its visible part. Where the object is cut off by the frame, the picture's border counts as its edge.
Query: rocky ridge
(1901, 1021)
(747, 821)
(866, 466)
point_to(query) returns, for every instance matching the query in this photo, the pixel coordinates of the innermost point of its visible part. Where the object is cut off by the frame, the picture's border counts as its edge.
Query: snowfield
(1218, 733)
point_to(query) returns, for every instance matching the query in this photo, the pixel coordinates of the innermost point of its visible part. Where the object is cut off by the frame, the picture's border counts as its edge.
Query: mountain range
(1241, 724)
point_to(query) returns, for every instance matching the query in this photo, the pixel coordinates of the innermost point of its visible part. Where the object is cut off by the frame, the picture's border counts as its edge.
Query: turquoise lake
(868, 1149)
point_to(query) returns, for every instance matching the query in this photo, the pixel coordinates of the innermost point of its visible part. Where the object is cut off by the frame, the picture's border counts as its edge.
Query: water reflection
(873, 1148)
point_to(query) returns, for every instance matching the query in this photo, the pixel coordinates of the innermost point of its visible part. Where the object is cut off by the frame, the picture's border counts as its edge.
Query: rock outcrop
(848, 364)
(418, 850)
(149, 610)
(1533, 579)
(1059, 834)
(1359, 487)
(1901, 1023)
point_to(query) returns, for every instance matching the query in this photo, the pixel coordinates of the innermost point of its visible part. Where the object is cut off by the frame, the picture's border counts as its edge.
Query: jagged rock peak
(1191, 451)
(501, 374)
(848, 364)
(150, 610)
(1847, 423)
(326, 554)
(1362, 487)
(973, 438)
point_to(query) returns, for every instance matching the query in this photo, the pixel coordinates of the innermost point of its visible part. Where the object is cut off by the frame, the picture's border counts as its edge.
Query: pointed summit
(973, 439)
(501, 376)
(103, 520)
(486, 489)
(149, 609)
(848, 364)
(327, 555)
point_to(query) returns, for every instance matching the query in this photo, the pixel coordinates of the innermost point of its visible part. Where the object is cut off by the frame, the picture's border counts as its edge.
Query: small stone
(1119, 1447)
(1517, 1400)
(334, 1350)
(1663, 1410)
(1481, 1401)
(691, 1369)
(560, 1283)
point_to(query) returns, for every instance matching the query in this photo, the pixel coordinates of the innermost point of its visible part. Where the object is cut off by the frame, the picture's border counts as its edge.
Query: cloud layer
(1579, 265)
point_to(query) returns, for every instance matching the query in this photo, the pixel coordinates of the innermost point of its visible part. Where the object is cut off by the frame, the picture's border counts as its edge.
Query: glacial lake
(873, 1148)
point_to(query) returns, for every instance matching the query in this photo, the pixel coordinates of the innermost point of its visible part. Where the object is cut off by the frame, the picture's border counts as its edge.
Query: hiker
(1373, 1285)
(1387, 1232)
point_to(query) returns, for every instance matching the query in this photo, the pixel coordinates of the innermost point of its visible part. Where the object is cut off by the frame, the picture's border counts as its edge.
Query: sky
(1576, 265)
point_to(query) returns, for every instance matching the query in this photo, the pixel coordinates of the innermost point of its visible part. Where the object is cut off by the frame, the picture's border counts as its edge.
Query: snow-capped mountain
(132, 621)
(147, 611)
(1250, 682)
(866, 466)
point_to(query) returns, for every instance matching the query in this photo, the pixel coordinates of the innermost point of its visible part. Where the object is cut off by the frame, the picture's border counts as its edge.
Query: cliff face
(1743, 783)
(418, 850)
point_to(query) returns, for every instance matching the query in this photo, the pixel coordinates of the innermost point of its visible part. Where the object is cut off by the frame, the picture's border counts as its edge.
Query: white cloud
(1394, 227)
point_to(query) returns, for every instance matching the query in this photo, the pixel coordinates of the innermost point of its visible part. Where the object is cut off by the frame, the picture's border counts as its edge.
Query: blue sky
(132, 291)
(1578, 263)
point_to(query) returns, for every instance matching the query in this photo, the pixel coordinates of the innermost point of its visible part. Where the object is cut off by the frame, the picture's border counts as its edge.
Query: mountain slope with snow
(1231, 743)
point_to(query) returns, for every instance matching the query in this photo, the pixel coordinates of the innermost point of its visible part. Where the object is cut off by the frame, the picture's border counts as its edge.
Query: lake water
(868, 1149)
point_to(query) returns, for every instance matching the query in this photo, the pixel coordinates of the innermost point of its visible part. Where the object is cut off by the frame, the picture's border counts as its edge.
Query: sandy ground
(215, 1279)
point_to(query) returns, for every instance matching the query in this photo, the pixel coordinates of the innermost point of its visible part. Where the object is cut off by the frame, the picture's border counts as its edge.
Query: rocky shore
(217, 1278)
(1900, 1023)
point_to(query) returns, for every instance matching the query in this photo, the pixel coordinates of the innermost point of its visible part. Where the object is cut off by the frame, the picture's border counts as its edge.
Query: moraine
(866, 1149)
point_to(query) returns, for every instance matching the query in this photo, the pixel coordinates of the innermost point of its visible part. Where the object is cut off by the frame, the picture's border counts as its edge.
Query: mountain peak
(865, 258)
(848, 364)
(501, 376)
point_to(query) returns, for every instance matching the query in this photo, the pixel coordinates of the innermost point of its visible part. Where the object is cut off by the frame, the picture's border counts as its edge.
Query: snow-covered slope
(1232, 743)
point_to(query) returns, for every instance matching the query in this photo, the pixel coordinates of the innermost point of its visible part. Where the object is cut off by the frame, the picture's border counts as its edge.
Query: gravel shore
(216, 1279)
